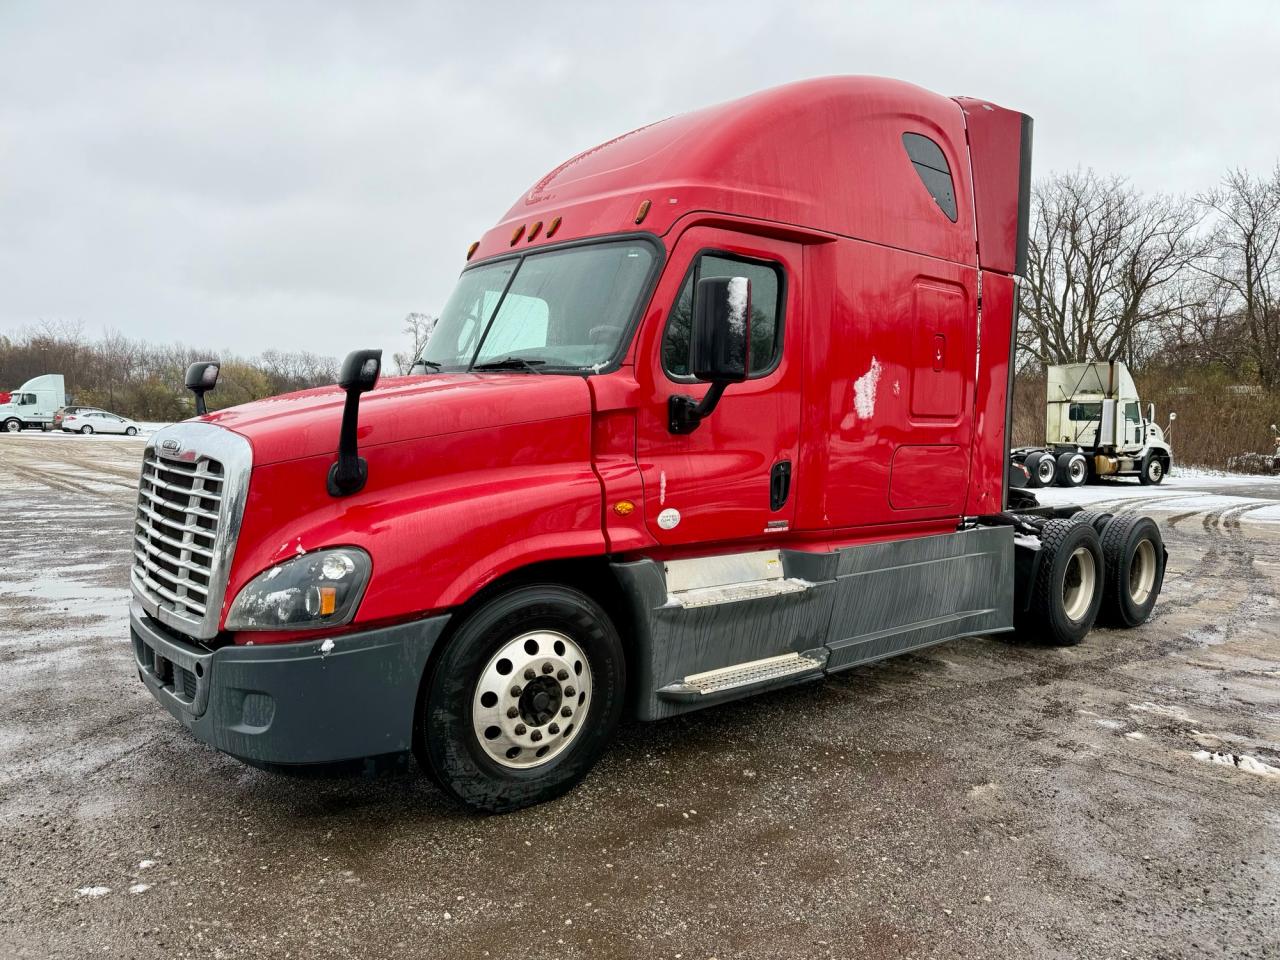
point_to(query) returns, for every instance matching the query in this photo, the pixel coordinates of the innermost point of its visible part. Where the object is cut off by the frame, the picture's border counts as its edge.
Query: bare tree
(1243, 265)
(1107, 267)
(418, 327)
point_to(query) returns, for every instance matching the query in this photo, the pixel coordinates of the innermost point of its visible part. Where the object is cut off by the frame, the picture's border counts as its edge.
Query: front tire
(1135, 558)
(131, 431)
(497, 728)
(1067, 590)
(86, 429)
(1153, 470)
(12, 426)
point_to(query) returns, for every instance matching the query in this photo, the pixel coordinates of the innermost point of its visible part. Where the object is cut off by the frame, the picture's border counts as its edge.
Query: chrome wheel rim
(1078, 584)
(1142, 572)
(1077, 471)
(531, 699)
(12, 426)
(1156, 470)
(1044, 470)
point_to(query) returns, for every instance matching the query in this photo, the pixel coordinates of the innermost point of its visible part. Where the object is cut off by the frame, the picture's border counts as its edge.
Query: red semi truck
(719, 406)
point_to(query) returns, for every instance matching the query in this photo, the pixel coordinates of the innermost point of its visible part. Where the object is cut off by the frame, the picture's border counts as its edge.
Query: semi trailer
(1095, 426)
(32, 405)
(717, 407)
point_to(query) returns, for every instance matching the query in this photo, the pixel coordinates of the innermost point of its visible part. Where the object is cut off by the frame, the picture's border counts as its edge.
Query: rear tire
(1073, 470)
(1134, 553)
(1042, 468)
(86, 429)
(1067, 590)
(497, 749)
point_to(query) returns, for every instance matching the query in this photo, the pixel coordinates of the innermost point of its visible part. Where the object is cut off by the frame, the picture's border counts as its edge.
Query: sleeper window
(931, 166)
(766, 312)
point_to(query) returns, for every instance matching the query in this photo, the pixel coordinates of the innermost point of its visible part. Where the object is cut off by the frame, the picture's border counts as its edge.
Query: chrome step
(728, 578)
(756, 673)
(733, 592)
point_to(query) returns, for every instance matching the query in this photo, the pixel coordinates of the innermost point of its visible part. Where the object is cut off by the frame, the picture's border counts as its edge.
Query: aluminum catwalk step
(764, 673)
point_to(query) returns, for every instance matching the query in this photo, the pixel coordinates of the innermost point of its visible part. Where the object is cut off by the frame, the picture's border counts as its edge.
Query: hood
(305, 424)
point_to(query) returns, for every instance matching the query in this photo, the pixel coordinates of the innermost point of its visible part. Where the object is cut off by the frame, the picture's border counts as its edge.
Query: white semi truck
(33, 404)
(1095, 426)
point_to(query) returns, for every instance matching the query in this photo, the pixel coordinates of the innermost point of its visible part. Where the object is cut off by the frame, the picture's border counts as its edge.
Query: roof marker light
(552, 227)
(471, 250)
(534, 230)
(516, 234)
(642, 212)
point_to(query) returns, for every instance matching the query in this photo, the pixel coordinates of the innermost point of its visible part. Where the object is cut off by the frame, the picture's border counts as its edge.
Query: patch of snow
(1135, 735)
(326, 648)
(1241, 761)
(864, 391)
(146, 864)
(140, 888)
(93, 891)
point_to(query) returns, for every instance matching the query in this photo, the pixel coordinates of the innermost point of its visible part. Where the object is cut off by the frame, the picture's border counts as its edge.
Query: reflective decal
(669, 518)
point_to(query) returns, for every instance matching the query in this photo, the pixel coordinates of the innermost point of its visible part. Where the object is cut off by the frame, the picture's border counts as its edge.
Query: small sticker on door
(669, 518)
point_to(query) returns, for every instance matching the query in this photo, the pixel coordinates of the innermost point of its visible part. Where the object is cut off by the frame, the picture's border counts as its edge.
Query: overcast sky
(302, 175)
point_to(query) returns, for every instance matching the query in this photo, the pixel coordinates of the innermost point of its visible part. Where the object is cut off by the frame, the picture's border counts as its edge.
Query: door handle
(779, 484)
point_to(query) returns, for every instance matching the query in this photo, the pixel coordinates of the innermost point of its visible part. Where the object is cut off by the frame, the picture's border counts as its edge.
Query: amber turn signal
(642, 212)
(624, 508)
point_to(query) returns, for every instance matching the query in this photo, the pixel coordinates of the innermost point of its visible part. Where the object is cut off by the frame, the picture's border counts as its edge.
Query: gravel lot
(979, 800)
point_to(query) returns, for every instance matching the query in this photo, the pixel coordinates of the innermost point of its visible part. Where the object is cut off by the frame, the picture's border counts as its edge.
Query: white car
(98, 421)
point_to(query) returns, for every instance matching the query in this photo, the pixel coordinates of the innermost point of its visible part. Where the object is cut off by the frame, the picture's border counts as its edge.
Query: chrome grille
(190, 499)
(177, 528)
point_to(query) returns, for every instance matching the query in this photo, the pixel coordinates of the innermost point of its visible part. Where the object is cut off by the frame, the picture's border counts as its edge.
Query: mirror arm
(350, 471)
(685, 413)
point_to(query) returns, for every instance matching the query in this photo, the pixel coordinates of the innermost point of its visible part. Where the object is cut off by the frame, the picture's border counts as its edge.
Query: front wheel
(130, 431)
(12, 426)
(86, 429)
(524, 698)
(1152, 470)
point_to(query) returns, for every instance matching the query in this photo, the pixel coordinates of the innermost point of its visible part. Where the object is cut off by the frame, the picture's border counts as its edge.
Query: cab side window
(766, 312)
(1131, 413)
(931, 167)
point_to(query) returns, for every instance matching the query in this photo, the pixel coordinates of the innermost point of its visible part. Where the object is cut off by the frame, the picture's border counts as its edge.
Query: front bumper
(291, 703)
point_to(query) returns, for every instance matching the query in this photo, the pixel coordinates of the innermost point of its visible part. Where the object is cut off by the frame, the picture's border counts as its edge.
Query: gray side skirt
(860, 604)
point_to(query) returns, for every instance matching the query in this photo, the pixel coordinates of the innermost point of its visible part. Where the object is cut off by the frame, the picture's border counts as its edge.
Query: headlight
(320, 589)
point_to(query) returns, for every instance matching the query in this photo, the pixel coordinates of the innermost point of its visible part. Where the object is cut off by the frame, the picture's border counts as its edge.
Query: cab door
(734, 477)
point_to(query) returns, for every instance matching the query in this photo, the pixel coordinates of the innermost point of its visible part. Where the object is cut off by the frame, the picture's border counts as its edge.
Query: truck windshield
(564, 310)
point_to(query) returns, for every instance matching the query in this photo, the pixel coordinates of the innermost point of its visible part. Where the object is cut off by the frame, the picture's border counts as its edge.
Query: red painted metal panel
(928, 477)
(866, 366)
(996, 143)
(990, 434)
(826, 154)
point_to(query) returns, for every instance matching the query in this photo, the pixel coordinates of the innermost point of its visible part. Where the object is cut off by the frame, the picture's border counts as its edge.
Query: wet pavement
(981, 799)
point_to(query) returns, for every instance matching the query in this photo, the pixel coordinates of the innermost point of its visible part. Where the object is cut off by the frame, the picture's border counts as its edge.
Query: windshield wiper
(434, 365)
(510, 363)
